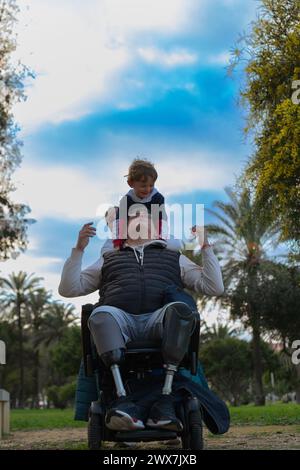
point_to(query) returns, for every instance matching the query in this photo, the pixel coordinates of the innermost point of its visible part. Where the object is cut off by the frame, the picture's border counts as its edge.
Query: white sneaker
(124, 415)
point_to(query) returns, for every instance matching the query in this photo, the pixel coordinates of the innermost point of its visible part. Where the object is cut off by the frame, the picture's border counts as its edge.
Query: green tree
(13, 220)
(245, 236)
(62, 396)
(66, 354)
(227, 365)
(38, 302)
(276, 296)
(280, 304)
(43, 342)
(14, 295)
(270, 53)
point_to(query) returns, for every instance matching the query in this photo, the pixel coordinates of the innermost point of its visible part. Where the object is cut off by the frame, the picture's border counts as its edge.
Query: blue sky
(116, 80)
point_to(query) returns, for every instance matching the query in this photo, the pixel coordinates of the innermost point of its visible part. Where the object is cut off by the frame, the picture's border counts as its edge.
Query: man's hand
(201, 233)
(84, 234)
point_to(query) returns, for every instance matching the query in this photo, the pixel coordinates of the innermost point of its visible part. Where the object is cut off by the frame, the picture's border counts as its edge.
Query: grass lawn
(44, 419)
(277, 414)
(270, 427)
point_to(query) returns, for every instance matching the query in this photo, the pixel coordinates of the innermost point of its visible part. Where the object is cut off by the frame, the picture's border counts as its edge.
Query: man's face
(143, 187)
(141, 227)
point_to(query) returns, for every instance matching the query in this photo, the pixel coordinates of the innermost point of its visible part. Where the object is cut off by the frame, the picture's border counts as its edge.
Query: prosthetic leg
(179, 323)
(112, 360)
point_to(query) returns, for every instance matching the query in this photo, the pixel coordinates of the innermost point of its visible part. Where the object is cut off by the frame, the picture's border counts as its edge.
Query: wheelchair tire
(94, 431)
(195, 440)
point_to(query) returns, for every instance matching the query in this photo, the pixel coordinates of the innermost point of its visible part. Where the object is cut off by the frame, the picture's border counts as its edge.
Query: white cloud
(130, 16)
(222, 58)
(64, 192)
(197, 170)
(174, 58)
(77, 48)
(75, 193)
(39, 266)
(29, 264)
(66, 44)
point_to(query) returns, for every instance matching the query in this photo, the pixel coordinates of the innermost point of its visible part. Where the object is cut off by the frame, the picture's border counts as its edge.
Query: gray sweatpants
(112, 327)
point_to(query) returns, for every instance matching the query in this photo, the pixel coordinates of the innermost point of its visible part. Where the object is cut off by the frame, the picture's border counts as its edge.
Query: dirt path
(239, 437)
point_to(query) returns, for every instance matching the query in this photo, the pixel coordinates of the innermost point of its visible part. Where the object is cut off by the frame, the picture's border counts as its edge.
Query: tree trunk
(259, 396)
(36, 385)
(21, 357)
(298, 384)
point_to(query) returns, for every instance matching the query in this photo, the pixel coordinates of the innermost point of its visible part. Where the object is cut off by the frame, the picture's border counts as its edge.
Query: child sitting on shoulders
(141, 178)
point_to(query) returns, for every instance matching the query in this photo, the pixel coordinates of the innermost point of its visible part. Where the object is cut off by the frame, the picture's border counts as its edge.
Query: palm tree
(36, 308)
(14, 295)
(57, 317)
(48, 321)
(219, 331)
(245, 235)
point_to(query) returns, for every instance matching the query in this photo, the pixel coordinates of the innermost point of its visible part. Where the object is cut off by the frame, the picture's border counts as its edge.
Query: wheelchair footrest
(145, 435)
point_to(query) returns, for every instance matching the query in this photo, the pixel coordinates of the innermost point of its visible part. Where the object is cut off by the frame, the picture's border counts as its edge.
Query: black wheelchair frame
(140, 358)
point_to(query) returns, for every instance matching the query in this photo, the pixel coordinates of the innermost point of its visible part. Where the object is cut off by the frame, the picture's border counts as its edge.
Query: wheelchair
(141, 358)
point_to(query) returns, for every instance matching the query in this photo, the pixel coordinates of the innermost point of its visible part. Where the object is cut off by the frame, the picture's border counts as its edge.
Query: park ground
(271, 427)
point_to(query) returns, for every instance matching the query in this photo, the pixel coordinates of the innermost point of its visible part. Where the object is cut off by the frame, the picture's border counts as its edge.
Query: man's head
(141, 177)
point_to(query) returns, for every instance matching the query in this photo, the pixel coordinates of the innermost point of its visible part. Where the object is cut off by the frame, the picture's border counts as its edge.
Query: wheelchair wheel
(192, 436)
(195, 430)
(94, 431)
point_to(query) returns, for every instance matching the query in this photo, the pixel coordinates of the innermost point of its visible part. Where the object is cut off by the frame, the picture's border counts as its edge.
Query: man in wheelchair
(133, 283)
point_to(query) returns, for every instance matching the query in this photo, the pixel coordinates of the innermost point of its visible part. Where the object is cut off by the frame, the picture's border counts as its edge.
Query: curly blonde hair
(140, 170)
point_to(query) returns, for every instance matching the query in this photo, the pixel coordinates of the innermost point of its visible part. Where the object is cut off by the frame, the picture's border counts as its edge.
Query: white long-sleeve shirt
(76, 282)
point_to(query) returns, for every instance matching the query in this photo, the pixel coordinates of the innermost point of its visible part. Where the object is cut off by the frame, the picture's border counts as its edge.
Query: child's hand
(201, 233)
(84, 234)
(111, 216)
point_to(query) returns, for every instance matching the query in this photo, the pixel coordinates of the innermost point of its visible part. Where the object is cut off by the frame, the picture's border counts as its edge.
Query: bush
(227, 365)
(62, 396)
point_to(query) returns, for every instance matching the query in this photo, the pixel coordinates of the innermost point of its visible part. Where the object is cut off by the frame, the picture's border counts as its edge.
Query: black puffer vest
(138, 286)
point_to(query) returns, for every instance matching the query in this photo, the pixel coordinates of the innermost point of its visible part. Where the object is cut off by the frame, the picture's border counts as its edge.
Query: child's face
(143, 187)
